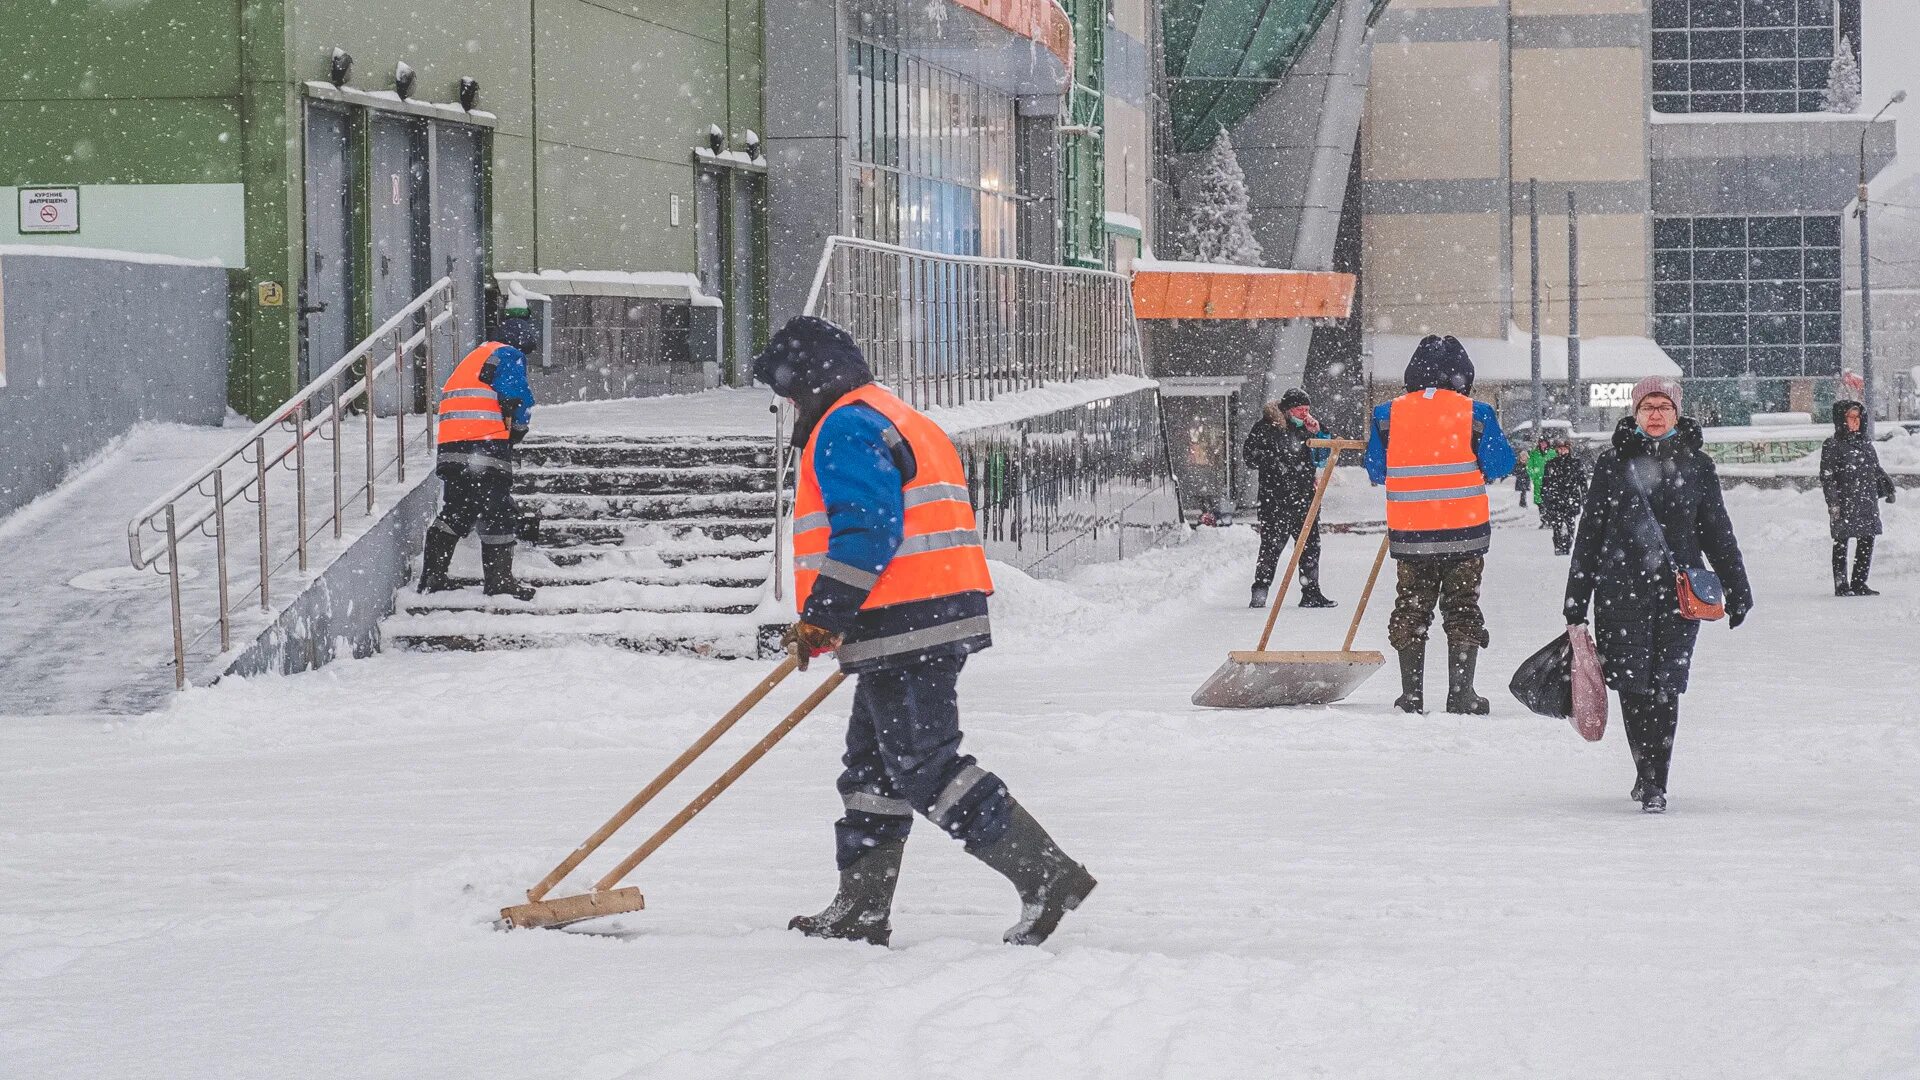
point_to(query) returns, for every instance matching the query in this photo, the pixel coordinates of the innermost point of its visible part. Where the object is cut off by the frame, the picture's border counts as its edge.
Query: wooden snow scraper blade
(607, 897)
(1258, 679)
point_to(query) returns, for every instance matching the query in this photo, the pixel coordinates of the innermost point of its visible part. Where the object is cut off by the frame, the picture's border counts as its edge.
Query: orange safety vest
(469, 409)
(939, 554)
(1436, 494)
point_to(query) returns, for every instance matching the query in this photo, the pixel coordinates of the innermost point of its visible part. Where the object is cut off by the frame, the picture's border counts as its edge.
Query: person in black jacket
(1277, 449)
(1854, 483)
(1654, 506)
(1562, 488)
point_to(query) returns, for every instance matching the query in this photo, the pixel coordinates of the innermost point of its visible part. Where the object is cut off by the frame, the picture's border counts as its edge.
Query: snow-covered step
(718, 572)
(639, 479)
(701, 634)
(574, 532)
(616, 453)
(601, 597)
(602, 507)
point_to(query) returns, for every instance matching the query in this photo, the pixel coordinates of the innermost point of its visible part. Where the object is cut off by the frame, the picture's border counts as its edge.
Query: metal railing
(944, 330)
(376, 386)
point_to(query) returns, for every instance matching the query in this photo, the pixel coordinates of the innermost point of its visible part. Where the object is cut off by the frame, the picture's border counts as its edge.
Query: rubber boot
(1049, 883)
(1862, 565)
(1413, 679)
(1461, 699)
(496, 560)
(1259, 597)
(439, 555)
(863, 908)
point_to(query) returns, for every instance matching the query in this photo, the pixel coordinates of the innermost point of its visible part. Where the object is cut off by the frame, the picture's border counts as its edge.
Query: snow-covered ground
(294, 877)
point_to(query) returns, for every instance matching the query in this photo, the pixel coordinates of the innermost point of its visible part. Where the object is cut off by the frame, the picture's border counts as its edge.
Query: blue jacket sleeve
(510, 381)
(1496, 453)
(861, 484)
(1376, 456)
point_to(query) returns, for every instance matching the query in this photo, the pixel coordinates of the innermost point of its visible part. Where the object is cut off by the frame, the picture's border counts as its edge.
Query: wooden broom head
(572, 909)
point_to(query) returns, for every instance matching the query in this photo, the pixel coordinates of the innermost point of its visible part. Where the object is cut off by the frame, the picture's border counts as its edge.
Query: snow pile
(1511, 359)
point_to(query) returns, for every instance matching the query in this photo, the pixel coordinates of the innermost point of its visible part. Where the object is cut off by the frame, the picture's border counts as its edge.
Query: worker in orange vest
(485, 408)
(890, 574)
(1436, 449)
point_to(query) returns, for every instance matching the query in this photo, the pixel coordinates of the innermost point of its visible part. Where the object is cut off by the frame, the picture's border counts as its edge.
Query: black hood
(1440, 362)
(812, 363)
(1631, 443)
(1840, 409)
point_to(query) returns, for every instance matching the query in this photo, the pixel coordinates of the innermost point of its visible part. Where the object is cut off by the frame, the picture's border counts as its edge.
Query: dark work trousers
(1862, 560)
(1651, 721)
(1451, 584)
(903, 756)
(1562, 534)
(1275, 531)
(477, 497)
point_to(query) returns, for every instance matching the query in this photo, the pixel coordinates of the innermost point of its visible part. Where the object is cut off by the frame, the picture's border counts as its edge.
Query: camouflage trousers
(1454, 586)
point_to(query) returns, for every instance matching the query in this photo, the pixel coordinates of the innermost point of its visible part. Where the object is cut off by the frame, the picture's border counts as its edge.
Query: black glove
(1735, 618)
(806, 641)
(1575, 614)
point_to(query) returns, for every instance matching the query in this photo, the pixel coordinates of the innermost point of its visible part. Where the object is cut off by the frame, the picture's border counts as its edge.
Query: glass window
(1753, 56)
(1765, 299)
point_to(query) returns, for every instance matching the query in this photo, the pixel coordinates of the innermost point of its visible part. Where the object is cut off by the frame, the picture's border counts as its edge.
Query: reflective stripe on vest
(469, 409)
(1436, 494)
(939, 554)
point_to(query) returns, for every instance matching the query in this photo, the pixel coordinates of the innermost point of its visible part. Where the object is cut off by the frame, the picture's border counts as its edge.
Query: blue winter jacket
(1491, 447)
(510, 384)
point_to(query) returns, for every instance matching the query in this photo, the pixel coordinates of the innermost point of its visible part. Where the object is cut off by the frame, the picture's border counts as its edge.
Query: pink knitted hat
(1657, 384)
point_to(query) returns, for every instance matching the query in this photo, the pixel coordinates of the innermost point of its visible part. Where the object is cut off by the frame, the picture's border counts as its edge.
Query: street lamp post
(1866, 277)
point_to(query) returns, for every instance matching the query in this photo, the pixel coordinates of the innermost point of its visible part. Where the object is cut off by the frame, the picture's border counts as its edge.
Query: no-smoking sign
(50, 210)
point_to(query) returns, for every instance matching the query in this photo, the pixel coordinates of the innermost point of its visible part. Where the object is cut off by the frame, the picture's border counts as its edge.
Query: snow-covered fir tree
(1219, 222)
(1843, 79)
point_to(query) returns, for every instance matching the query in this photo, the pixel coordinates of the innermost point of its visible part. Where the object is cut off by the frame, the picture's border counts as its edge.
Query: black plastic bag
(1544, 683)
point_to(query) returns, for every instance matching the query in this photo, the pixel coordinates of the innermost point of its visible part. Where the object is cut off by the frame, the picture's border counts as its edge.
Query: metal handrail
(944, 330)
(201, 500)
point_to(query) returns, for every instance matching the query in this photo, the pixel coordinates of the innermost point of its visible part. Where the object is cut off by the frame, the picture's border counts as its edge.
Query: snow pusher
(607, 897)
(1258, 679)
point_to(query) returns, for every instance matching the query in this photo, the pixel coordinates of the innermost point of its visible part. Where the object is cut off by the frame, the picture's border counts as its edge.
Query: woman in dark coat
(1562, 489)
(1854, 483)
(1277, 450)
(1654, 502)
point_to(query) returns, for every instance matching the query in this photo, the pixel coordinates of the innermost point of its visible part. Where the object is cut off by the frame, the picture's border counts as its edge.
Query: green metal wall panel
(60, 49)
(130, 141)
(1222, 56)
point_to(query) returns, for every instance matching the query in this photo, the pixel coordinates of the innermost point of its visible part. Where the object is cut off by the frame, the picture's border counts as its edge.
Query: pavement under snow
(294, 877)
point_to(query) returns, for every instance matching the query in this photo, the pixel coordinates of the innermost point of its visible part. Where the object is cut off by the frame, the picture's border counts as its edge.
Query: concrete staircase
(660, 545)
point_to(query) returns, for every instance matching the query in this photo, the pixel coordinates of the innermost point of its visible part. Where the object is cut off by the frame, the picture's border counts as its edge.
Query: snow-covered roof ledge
(1126, 225)
(651, 284)
(66, 251)
(1617, 359)
(391, 102)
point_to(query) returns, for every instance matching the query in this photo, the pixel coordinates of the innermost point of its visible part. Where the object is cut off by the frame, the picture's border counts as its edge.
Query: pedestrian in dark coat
(1277, 450)
(1854, 483)
(1654, 506)
(1563, 486)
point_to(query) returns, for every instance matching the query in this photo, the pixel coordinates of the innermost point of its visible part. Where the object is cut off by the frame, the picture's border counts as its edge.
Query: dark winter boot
(1862, 565)
(861, 910)
(1413, 679)
(439, 555)
(1841, 587)
(1259, 597)
(496, 560)
(1049, 883)
(1312, 597)
(1653, 801)
(1461, 699)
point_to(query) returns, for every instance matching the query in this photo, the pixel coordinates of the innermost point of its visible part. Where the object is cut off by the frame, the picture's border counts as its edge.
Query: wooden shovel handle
(700, 801)
(1313, 512)
(1360, 609)
(667, 776)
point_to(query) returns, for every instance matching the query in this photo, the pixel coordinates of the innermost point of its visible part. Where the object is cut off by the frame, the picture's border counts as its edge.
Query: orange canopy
(1202, 291)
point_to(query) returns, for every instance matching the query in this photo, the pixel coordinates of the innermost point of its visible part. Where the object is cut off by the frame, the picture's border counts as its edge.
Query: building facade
(337, 159)
(1708, 180)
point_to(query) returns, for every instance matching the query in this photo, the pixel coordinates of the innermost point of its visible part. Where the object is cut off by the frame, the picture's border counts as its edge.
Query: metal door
(459, 244)
(397, 212)
(744, 312)
(326, 287)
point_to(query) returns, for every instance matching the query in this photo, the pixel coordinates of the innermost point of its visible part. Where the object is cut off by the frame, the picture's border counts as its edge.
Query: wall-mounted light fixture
(339, 67)
(753, 145)
(716, 139)
(403, 76)
(469, 93)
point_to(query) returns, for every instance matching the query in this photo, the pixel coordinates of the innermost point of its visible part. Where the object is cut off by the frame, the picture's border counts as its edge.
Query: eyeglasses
(1657, 409)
